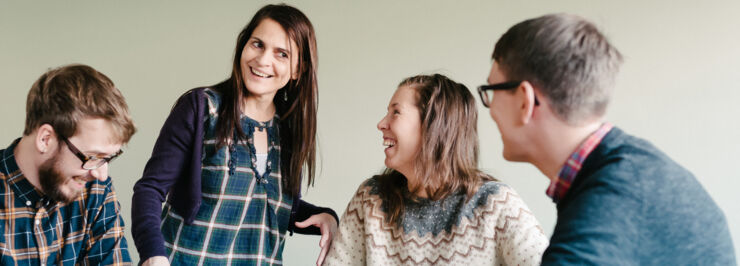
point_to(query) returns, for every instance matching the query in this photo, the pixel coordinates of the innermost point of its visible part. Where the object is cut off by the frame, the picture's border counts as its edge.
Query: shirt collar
(22, 188)
(559, 187)
(8, 165)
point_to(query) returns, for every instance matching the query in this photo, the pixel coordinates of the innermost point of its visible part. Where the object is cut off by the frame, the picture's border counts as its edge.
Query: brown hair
(297, 113)
(63, 96)
(567, 58)
(448, 160)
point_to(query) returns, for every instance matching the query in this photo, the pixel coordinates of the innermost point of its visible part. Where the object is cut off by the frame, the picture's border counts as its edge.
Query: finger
(308, 222)
(325, 236)
(322, 255)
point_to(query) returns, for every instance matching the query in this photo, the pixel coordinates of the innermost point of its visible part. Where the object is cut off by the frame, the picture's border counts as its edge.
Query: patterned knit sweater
(494, 227)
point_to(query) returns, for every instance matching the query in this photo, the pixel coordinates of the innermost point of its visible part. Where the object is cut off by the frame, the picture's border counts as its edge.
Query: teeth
(389, 143)
(254, 71)
(80, 180)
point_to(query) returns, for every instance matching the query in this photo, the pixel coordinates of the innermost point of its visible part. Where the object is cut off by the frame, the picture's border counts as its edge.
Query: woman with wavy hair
(432, 205)
(230, 158)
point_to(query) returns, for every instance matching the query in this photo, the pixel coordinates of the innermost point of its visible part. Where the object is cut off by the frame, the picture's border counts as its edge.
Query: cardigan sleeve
(520, 240)
(348, 246)
(170, 155)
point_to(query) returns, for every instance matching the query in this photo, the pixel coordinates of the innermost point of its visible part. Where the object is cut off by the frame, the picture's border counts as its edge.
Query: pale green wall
(678, 87)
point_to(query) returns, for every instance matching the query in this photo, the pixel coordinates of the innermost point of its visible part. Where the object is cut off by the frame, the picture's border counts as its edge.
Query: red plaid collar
(559, 187)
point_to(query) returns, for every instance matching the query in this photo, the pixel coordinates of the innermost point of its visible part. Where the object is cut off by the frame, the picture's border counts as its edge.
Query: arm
(169, 159)
(348, 247)
(323, 221)
(520, 239)
(599, 225)
(106, 244)
(305, 210)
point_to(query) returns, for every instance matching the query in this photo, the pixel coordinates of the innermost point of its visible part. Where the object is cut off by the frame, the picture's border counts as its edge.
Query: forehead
(96, 135)
(271, 32)
(404, 96)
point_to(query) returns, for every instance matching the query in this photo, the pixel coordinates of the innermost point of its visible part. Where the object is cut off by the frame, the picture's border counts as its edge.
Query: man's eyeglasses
(486, 96)
(90, 162)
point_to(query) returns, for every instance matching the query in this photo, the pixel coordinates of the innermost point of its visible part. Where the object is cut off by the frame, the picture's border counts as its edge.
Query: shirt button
(28, 203)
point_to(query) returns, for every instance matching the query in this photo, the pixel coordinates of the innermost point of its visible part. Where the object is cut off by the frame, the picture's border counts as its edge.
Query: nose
(383, 124)
(263, 58)
(100, 173)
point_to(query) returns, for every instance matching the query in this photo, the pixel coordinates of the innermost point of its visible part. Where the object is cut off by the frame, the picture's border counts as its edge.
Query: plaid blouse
(38, 231)
(559, 187)
(243, 216)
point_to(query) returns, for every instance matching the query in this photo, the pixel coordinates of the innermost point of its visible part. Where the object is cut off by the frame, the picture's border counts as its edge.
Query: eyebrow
(281, 49)
(99, 154)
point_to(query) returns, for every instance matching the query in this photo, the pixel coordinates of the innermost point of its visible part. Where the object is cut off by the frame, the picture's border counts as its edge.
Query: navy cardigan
(173, 171)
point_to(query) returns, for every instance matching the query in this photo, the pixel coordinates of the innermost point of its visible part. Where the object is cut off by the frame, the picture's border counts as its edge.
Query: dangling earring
(285, 95)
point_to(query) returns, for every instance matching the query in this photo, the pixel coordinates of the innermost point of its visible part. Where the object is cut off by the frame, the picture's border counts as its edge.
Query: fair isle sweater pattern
(493, 227)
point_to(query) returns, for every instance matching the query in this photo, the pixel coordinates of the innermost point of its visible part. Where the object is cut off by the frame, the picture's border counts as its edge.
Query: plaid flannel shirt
(559, 187)
(244, 216)
(38, 231)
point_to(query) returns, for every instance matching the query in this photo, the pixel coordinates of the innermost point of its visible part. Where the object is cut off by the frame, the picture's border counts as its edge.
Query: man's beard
(52, 181)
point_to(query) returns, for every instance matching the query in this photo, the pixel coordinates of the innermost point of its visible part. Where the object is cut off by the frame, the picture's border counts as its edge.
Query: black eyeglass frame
(85, 159)
(498, 86)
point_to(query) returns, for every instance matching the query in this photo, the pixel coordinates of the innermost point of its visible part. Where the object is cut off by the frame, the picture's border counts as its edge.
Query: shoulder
(496, 189)
(195, 95)
(372, 182)
(621, 152)
(370, 186)
(368, 192)
(100, 190)
(188, 104)
(498, 195)
(630, 164)
(97, 196)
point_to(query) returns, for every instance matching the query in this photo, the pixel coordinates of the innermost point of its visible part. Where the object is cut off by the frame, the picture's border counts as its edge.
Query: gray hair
(566, 58)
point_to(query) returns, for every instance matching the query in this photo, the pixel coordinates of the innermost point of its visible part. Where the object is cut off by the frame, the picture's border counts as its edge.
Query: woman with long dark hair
(230, 158)
(432, 205)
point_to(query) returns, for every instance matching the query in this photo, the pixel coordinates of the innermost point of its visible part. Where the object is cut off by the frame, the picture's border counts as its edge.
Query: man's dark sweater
(632, 205)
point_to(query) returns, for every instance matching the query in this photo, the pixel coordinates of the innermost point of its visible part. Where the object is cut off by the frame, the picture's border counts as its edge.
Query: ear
(526, 94)
(46, 139)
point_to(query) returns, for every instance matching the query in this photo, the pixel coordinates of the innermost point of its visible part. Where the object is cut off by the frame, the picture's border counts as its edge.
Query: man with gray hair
(619, 199)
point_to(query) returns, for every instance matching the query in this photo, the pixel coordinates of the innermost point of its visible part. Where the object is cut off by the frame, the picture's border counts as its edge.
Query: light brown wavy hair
(448, 160)
(64, 96)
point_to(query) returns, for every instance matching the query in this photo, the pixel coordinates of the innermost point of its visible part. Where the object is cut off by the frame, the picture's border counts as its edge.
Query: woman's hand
(328, 226)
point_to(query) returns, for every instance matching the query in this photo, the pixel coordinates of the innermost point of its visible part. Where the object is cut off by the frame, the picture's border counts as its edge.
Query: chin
(509, 158)
(388, 163)
(514, 157)
(69, 192)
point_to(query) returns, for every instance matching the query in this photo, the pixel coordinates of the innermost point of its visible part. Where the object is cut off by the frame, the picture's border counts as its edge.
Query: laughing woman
(230, 157)
(432, 205)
